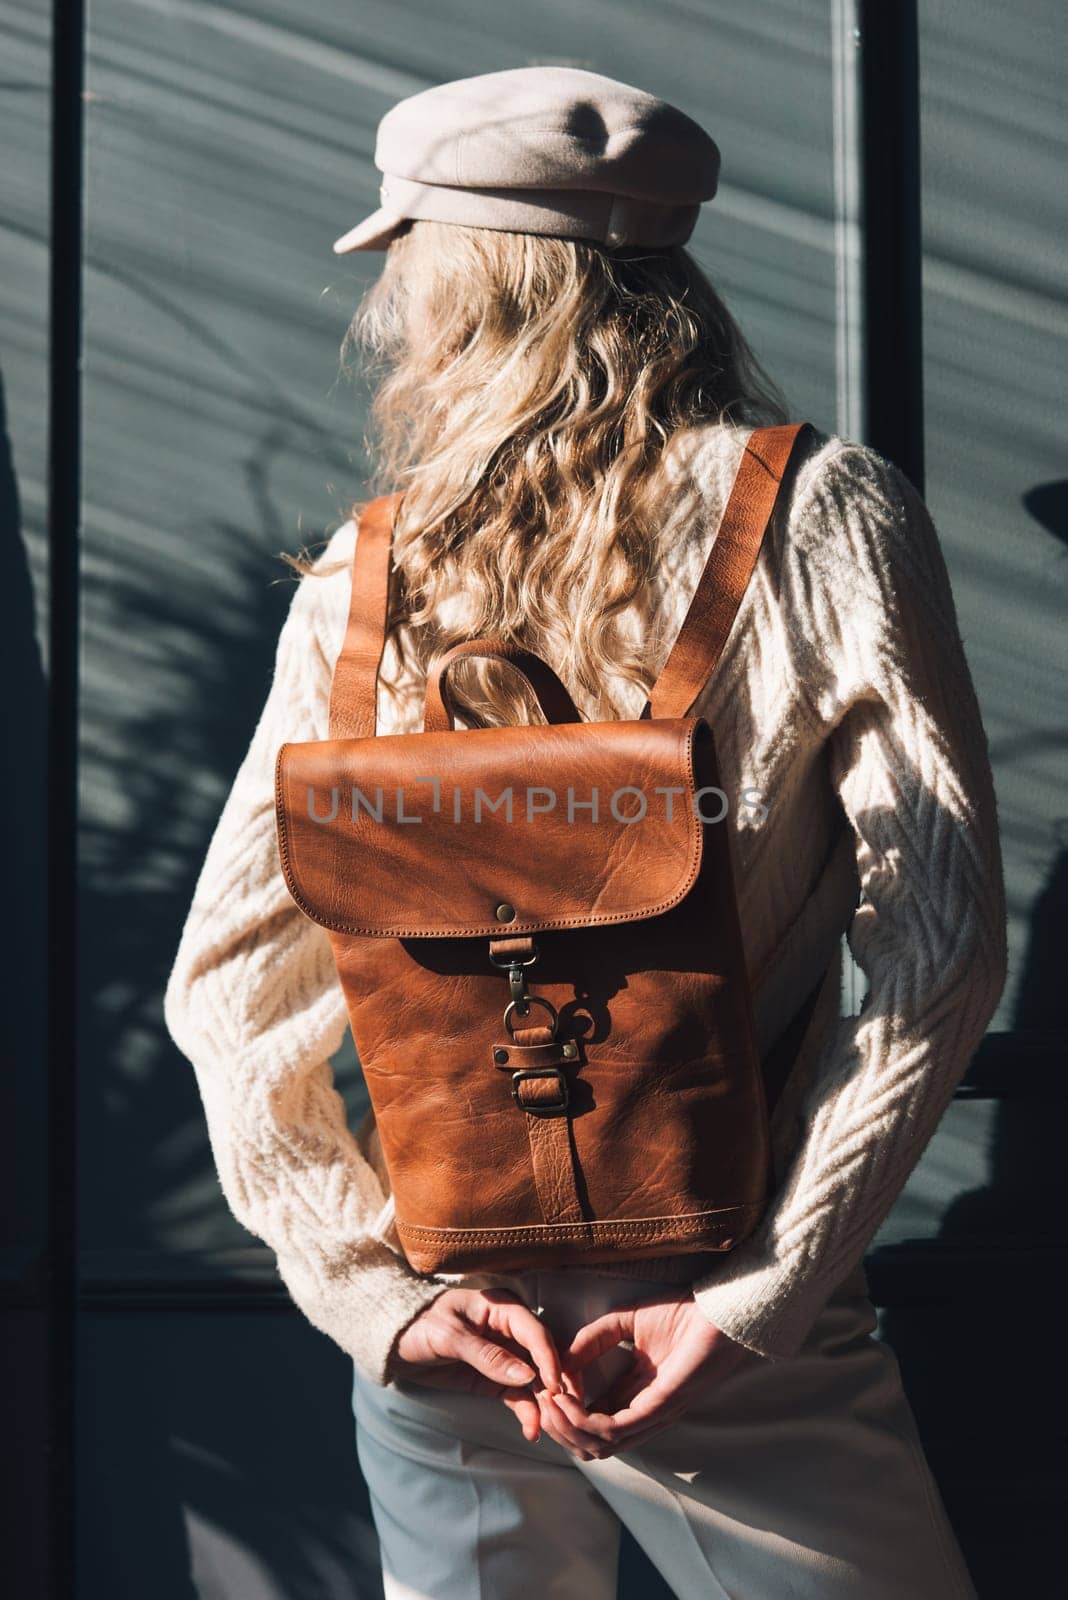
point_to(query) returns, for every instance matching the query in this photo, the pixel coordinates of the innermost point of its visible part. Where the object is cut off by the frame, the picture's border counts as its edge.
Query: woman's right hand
(482, 1341)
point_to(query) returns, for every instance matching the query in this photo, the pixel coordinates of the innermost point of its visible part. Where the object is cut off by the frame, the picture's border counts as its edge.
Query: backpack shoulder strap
(696, 651)
(353, 692)
(727, 570)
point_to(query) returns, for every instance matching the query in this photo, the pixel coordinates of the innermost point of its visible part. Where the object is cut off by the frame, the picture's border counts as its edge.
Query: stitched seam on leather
(692, 1222)
(529, 925)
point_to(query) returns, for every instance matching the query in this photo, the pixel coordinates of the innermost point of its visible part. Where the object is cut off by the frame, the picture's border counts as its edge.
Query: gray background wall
(223, 149)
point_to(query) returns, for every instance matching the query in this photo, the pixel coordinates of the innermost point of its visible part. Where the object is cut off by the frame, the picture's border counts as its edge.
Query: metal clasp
(517, 983)
(531, 1000)
(542, 1106)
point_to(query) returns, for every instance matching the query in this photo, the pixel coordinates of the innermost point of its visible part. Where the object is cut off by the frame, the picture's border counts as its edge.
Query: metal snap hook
(531, 1000)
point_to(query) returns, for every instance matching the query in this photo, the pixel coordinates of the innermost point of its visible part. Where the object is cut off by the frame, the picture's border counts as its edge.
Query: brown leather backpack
(536, 931)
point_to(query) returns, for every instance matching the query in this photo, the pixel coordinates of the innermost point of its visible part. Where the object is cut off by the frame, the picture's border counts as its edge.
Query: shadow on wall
(23, 1174)
(973, 1345)
(24, 798)
(216, 1453)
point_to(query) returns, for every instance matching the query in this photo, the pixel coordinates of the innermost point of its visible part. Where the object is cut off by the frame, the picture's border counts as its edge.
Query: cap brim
(373, 233)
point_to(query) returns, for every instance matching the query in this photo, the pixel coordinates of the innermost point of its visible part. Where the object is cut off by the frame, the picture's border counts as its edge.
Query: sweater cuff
(364, 1313)
(768, 1311)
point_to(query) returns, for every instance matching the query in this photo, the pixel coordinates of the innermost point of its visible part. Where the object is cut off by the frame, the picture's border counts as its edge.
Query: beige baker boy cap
(555, 150)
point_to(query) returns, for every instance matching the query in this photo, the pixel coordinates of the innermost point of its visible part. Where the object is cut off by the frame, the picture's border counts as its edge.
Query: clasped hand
(487, 1341)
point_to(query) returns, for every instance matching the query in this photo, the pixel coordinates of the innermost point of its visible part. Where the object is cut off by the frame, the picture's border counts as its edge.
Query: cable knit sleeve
(254, 1002)
(882, 664)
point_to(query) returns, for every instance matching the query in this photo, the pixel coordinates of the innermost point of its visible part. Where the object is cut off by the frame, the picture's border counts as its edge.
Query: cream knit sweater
(844, 681)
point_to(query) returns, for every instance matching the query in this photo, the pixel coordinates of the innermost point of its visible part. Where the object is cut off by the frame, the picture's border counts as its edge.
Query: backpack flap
(494, 830)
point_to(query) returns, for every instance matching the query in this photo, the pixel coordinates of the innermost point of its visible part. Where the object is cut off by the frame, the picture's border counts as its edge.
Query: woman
(564, 400)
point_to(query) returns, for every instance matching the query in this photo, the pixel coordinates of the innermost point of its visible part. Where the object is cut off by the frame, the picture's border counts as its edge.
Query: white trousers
(802, 1478)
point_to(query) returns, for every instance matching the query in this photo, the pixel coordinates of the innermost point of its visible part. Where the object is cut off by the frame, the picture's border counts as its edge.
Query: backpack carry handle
(549, 692)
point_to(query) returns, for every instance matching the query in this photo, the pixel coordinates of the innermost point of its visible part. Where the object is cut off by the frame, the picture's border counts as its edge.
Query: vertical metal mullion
(878, 252)
(850, 343)
(893, 233)
(849, 282)
(64, 527)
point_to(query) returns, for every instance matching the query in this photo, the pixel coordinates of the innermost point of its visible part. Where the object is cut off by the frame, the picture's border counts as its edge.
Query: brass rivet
(505, 912)
(500, 1055)
(569, 1049)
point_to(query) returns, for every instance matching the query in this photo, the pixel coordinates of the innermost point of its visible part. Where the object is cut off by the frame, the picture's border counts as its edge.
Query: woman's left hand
(678, 1354)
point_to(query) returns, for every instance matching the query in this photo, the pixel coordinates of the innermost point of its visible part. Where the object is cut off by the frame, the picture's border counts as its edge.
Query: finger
(573, 1386)
(490, 1359)
(614, 1439)
(518, 1321)
(599, 1336)
(519, 1400)
(526, 1412)
(458, 1376)
(639, 1437)
(572, 1383)
(559, 1430)
(589, 1427)
(653, 1400)
(568, 1418)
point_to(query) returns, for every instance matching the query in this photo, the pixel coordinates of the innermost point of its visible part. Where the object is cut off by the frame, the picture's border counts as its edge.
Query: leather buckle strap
(541, 1089)
(540, 1100)
(518, 949)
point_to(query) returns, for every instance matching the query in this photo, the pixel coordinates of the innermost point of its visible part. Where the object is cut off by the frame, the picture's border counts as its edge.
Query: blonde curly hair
(529, 388)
